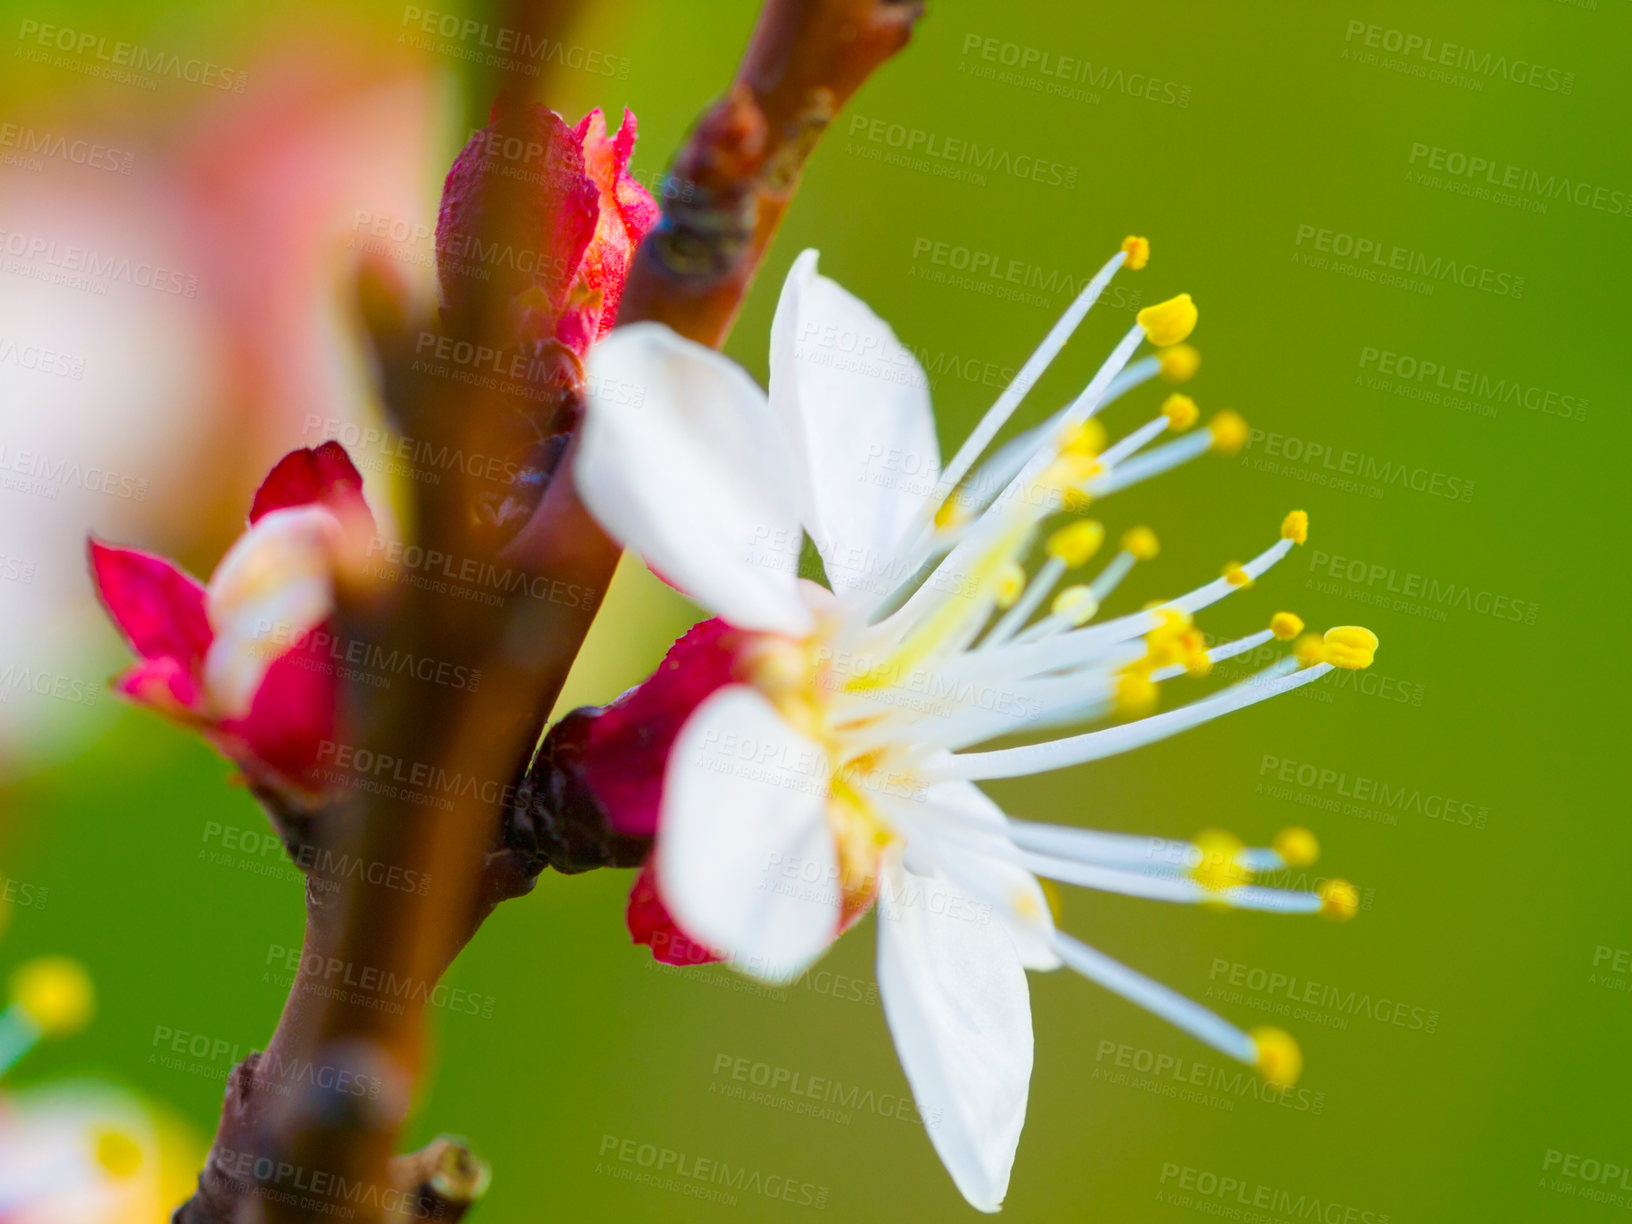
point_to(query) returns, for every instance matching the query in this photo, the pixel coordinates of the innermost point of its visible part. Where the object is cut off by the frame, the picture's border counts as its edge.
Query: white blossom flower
(836, 764)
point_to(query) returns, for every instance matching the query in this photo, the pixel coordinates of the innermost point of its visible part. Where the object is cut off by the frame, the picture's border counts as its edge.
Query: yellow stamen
(1142, 543)
(1279, 1059)
(55, 993)
(1088, 438)
(986, 576)
(1137, 250)
(1180, 410)
(1350, 646)
(1179, 363)
(1194, 648)
(1077, 604)
(1219, 868)
(1168, 322)
(1236, 576)
(952, 513)
(1135, 694)
(1076, 542)
(1295, 527)
(1009, 584)
(1286, 625)
(1297, 846)
(1309, 650)
(1229, 432)
(1339, 900)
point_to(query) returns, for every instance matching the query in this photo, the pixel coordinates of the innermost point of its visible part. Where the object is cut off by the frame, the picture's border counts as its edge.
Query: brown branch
(292, 1120)
(734, 178)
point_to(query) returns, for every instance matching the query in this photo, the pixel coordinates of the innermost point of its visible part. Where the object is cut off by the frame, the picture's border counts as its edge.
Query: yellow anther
(1142, 543)
(1073, 468)
(1229, 432)
(1295, 527)
(1075, 501)
(1076, 604)
(1296, 846)
(55, 993)
(1197, 663)
(1010, 583)
(1180, 410)
(1168, 322)
(1309, 650)
(1087, 438)
(1179, 363)
(951, 514)
(1236, 576)
(1339, 900)
(1135, 694)
(1279, 1059)
(117, 1153)
(1076, 542)
(1350, 647)
(1173, 620)
(1286, 625)
(1219, 866)
(1137, 250)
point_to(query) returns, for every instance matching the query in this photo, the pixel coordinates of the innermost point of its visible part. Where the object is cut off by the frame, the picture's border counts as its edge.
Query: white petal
(856, 402)
(989, 872)
(274, 586)
(955, 995)
(681, 459)
(743, 832)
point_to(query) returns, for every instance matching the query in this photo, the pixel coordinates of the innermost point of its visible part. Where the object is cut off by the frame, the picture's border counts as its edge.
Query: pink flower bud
(243, 659)
(543, 218)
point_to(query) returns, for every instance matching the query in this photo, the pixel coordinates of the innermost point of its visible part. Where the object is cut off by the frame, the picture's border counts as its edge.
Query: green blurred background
(1473, 1035)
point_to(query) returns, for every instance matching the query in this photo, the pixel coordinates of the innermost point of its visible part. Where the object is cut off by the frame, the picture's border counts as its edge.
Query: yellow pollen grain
(1137, 250)
(1309, 650)
(1285, 625)
(1179, 363)
(1087, 438)
(1168, 322)
(1236, 576)
(55, 993)
(1142, 543)
(1229, 432)
(1339, 900)
(1219, 867)
(1076, 542)
(1296, 846)
(1180, 410)
(1350, 646)
(1010, 583)
(1075, 604)
(1135, 694)
(1295, 527)
(1279, 1059)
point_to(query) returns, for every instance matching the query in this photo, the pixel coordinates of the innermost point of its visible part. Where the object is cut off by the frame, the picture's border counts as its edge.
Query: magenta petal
(158, 607)
(323, 476)
(626, 745)
(292, 718)
(651, 924)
